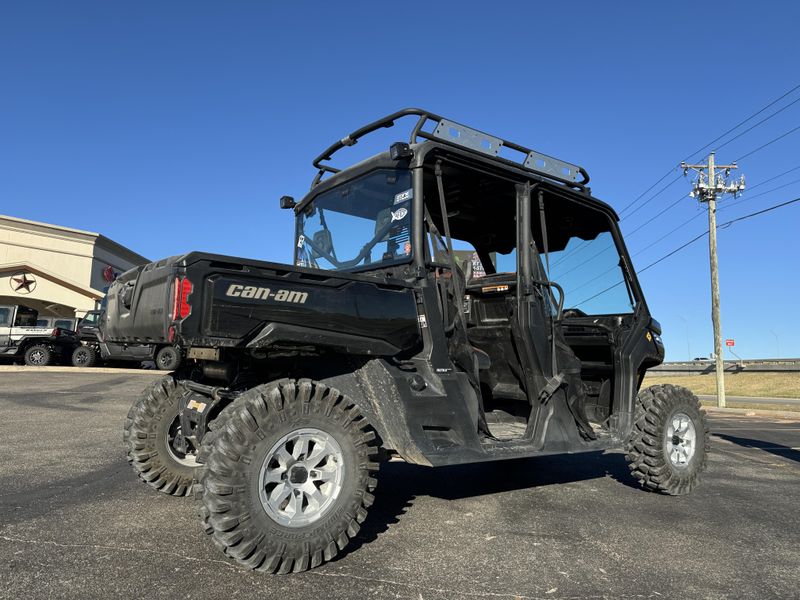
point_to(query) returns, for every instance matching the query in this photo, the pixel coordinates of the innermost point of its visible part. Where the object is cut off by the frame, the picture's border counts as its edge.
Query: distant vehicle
(92, 349)
(701, 358)
(22, 337)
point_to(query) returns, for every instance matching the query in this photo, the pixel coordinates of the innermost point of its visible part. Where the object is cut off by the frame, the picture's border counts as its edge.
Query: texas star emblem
(22, 283)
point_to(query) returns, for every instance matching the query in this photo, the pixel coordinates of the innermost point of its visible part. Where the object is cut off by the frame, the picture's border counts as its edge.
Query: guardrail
(700, 367)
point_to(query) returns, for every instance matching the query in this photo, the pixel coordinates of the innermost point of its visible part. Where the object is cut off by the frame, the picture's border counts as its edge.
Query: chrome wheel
(37, 357)
(681, 440)
(301, 477)
(179, 448)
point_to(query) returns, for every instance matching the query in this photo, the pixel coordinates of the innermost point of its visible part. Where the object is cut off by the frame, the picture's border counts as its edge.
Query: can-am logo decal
(252, 292)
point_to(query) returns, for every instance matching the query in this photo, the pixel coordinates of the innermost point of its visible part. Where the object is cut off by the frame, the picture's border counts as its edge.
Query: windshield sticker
(403, 196)
(399, 214)
(300, 241)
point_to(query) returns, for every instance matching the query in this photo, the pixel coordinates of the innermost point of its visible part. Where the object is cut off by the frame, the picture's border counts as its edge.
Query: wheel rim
(301, 477)
(37, 357)
(166, 359)
(178, 447)
(680, 440)
(82, 357)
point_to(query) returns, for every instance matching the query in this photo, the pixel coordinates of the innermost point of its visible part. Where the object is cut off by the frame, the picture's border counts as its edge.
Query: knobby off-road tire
(84, 356)
(38, 355)
(669, 444)
(150, 428)
(251, 447)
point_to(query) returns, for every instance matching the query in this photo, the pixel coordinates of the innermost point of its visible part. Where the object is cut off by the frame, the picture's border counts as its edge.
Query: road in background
(75, 522)
(791, 403)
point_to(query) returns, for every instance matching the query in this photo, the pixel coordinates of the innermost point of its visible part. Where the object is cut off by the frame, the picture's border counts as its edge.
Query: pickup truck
(20, 337)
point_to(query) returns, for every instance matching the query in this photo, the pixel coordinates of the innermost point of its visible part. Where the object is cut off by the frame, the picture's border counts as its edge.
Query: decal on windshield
(403, 196)
(399, 214)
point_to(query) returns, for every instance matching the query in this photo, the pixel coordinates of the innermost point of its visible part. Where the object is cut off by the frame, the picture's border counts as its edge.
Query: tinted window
(590, 273)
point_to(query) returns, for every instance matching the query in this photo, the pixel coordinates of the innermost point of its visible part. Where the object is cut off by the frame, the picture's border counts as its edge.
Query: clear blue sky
(174, 126)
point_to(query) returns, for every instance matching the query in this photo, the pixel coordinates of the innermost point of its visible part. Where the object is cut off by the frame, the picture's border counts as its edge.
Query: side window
(25, 319)
(591, 275)
(5, 316)
(64, 324)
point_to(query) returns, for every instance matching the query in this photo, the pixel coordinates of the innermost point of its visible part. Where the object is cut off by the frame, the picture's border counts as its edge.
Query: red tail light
(56, 332)
(180, 305)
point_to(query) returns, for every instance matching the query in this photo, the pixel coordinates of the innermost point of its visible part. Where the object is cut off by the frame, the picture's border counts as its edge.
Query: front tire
(289, 477)
(153, 440)
(669, 444)
(38, 356)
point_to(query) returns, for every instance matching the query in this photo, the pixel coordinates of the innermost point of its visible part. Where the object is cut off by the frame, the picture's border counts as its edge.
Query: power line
(759, 212)
(780, 187)
(654, 217)
(761, 122)
(690, 242)
(654, 196)
(755, 114)
(769, 143)
(752, 116)
(747, 197)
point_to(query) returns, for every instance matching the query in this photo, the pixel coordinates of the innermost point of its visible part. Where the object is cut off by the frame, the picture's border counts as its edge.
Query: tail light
(180, 305)
(56, 332)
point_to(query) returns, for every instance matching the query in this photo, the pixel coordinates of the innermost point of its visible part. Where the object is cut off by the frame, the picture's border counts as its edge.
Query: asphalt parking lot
(75, 522)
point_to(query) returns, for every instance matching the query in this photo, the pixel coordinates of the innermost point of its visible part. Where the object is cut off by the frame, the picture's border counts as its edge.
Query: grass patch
(758, 385)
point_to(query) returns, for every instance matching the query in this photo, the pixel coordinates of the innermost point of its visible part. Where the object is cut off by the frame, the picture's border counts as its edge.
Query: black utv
(457, 298)
(94, 350)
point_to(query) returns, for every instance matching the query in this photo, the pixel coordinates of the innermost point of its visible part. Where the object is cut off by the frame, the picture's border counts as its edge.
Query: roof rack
(462, 136)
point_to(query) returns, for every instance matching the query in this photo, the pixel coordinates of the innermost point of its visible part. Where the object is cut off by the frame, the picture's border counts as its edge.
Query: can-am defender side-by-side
(381, 341)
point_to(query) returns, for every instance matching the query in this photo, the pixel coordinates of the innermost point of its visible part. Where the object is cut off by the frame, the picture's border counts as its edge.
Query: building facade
(58, 271)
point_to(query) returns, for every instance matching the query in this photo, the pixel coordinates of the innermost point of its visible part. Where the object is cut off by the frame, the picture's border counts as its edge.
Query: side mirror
(287, 202)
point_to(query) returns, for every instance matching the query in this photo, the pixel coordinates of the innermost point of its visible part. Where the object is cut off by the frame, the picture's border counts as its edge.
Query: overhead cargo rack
(455, 134)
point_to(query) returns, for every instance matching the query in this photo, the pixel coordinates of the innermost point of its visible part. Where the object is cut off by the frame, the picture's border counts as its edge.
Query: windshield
(364, 223)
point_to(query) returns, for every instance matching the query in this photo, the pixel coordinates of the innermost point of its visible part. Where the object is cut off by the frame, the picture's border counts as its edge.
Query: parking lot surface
(75, 522)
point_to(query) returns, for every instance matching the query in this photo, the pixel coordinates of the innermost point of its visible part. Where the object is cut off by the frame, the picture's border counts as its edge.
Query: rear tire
(263, 497)
(152, 436)
(168, 358)
(38, 356)
(84, 356)
(669, 444)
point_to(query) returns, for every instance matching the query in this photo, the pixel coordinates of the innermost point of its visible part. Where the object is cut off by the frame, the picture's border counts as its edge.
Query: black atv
(457, 298)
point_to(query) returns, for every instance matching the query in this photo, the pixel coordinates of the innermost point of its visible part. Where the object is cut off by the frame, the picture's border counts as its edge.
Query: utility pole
(708, 185)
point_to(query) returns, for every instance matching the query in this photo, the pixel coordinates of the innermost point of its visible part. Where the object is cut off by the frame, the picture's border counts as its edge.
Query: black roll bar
(461, 136)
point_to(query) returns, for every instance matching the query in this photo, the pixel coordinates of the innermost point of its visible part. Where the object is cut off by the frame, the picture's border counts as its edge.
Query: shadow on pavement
(771, 447)
(400, 483)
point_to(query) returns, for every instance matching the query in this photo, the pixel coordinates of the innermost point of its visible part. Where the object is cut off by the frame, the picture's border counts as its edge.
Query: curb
(77, 370)
(754, 412)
